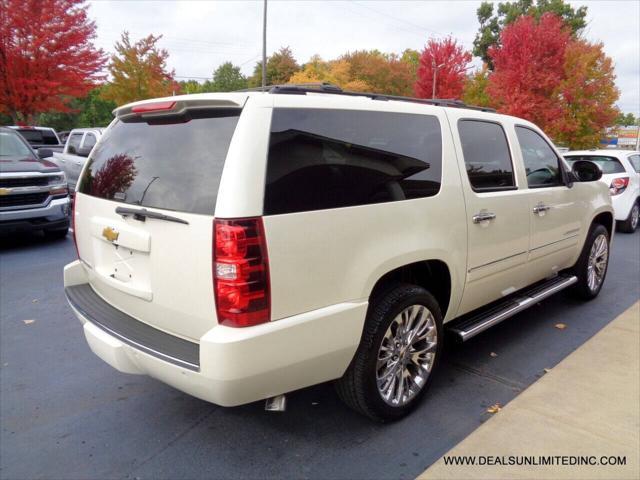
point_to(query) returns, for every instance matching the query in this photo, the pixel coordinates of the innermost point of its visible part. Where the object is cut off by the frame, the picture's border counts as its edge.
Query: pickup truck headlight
(57, 179)
(59, 191)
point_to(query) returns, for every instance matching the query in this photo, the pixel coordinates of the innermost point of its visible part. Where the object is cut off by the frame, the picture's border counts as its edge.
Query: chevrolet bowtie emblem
(5, 191)
(110, 234)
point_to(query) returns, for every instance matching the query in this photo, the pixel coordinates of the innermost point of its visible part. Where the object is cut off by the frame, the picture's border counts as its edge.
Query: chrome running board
(469, 326)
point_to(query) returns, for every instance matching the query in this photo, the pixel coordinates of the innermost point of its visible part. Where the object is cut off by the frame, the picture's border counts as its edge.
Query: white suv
(239, 246)
(621, 173)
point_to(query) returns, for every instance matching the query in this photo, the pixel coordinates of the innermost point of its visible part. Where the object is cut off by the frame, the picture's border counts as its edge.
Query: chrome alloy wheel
(635, 215)
(406, 355)
(597, 265)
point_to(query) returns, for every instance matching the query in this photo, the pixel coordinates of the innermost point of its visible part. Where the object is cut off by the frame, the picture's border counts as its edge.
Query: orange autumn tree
(586, 96)
(384, 73)
(139, 71)
(360, 71)
(336, 72)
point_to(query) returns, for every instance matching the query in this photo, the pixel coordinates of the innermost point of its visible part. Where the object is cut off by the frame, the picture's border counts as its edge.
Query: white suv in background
(621, 173)
(239, 246)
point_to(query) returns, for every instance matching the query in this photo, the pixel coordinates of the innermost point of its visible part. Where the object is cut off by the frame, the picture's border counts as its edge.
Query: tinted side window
(486, 155)
(635, 162)
(320, 159)
(74, 142)
(49, 137)
(540, 161)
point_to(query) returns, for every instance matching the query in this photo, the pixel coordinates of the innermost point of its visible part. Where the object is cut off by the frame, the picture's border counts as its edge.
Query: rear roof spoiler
(176, 106)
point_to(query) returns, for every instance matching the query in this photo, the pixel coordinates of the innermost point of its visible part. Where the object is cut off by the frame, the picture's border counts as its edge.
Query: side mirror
(45, 153)
(585, 171)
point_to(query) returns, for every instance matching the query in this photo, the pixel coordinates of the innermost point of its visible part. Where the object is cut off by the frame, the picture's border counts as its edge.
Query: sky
(201, 35)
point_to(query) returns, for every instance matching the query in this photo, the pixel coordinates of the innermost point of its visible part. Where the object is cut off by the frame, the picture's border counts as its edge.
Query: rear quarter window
(168, 163)
(322, 159)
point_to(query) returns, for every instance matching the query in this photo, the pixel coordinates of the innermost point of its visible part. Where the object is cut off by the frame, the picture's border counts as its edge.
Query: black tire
(358, 387)
(631, 223)
(56, 234)
(582, 289)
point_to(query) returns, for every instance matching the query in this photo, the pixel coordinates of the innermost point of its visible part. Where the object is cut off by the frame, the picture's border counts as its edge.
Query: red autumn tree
(528, 68)
(450, 61)
(117, 175)
(47, 57)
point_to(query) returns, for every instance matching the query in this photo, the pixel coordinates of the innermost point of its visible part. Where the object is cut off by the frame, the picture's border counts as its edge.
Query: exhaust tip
(276, 404)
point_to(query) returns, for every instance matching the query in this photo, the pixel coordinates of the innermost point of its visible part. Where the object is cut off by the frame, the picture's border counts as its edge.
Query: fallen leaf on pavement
(494, 408)
(493, 354)
(561, 326)
(28, 322)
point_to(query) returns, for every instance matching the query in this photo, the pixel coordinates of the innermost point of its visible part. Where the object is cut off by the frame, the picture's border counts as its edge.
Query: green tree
(626, 120)
(280, 68)
(508, 12)
(475, 89)
(95, 111)
(226, 78)
(412, 58)
(191, 86)
(90, 111)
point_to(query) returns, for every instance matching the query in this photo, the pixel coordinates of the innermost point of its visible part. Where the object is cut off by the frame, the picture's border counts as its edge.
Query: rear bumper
(55, 215)
(235, 365)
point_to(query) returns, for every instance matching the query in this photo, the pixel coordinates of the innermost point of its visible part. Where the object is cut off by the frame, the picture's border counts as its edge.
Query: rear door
(555, 214)
(498, 236)
(155, 268)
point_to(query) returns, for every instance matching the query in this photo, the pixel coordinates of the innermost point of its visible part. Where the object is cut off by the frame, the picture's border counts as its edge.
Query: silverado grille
(24, 182)
(23, 199)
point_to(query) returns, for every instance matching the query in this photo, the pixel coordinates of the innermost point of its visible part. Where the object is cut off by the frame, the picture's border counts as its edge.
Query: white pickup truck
(79, 144)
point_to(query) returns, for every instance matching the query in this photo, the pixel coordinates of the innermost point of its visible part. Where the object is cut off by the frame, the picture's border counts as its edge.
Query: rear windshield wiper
(143, 214)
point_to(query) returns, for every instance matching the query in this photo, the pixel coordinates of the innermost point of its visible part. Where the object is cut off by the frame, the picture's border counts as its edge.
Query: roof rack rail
(303, 89)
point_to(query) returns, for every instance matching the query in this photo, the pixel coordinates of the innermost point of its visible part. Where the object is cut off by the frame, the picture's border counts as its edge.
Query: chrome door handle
(482, 216)
(541, 207)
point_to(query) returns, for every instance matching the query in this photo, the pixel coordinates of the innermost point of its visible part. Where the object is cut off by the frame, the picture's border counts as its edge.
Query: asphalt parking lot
(66, 414)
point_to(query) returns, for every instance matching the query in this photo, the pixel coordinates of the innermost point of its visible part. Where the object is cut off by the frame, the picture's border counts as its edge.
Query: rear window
(171, 164)
(321, 159)
(39, 137)
(606, 164)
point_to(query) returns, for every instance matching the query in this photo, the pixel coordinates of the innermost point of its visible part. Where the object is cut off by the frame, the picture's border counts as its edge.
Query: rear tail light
(241, 272)
(618, 185)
